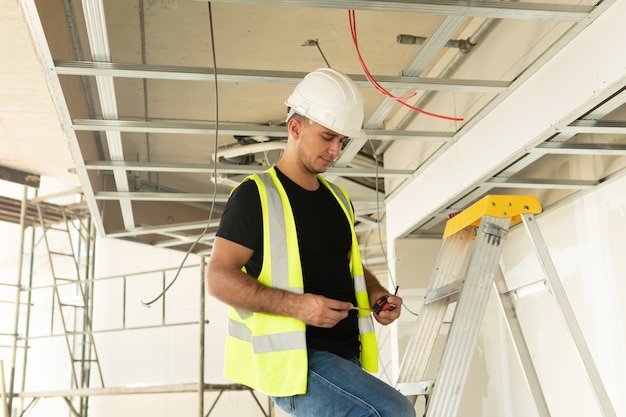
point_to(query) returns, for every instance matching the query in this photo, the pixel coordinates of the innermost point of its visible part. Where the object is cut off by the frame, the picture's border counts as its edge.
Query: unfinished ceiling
(167, 104)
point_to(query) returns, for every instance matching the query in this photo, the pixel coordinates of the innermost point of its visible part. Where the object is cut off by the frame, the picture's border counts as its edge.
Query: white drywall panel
(585, 241)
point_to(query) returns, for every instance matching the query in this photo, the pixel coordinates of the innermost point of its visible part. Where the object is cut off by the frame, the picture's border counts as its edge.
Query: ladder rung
(85, 360)
(61, 254)
(21, 303)
(416, 388)
(77, 333)
(451, 290)
(57, 229)
(71, 305)
(66, 279)
(11, 346)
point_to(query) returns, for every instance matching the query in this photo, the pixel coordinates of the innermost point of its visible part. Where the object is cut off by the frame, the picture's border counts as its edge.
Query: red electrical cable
(377, 86)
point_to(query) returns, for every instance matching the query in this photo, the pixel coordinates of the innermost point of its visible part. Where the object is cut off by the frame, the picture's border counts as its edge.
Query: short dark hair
(291, 114)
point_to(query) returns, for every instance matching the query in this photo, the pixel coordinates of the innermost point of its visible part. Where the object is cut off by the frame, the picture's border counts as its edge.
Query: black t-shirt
(324, 239)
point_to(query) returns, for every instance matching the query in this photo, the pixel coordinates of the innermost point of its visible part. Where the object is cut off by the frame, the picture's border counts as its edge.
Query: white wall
(585, 240)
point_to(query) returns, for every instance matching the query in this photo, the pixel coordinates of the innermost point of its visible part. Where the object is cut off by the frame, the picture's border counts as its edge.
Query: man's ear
(294, 127)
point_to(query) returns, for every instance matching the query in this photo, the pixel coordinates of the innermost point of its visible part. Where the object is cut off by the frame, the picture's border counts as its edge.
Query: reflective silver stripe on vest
(239, 331)
(359, 283)
(244, 314)
(277, 342)
(267, 343)
(278, 234)
(366, 325)
(341, 197)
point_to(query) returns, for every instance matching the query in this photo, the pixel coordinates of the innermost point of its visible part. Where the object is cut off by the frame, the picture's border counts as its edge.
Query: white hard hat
(331, 99)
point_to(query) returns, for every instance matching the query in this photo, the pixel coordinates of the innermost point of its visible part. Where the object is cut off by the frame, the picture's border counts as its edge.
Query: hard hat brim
(357, 134)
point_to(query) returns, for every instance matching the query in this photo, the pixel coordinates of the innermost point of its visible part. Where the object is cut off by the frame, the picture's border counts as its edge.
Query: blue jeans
(340, 387)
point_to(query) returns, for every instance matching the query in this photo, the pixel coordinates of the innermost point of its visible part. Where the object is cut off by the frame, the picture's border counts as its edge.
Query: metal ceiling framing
(503, 180)
(99, 44)
(454, 15)
(235, 75)
(492, 9)
(557, 144)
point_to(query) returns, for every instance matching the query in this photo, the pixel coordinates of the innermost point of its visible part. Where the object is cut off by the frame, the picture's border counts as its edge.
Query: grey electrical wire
(380, 239)
(214, 197)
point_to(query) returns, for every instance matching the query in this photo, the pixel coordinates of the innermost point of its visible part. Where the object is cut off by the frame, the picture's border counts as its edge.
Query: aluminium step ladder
(466, 272)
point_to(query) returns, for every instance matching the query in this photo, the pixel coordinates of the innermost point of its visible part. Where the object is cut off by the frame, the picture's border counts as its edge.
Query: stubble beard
(305, 163)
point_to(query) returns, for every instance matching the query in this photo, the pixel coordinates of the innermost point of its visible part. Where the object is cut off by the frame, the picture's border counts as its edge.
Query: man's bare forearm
(374, 288)
(242, 291)
(238, 289)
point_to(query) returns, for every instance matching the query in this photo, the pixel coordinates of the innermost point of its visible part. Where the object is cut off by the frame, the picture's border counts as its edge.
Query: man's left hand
(387, 317)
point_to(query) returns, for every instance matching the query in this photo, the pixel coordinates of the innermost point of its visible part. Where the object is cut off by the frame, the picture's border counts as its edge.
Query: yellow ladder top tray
(501, 206)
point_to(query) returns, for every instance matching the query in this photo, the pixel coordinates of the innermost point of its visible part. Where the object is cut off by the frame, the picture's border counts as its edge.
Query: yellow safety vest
(268, 352)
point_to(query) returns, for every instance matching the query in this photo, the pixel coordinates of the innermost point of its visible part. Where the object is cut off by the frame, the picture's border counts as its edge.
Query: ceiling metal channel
(478, 8)
(163, 229)
(541, 183)
(78, 53)
(189, 197)
(202, 128)
(31, 16)
(595, 126)
(177, 197)
(368, 227)
(98, 42)
(109, 69)
(234, 169)
(177, 240)
(580, 149)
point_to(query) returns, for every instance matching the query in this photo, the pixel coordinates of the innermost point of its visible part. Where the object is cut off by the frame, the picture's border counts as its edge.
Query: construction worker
(286, 259)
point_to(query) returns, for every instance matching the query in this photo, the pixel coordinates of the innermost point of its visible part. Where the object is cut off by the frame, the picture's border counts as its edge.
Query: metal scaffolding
(66, 234)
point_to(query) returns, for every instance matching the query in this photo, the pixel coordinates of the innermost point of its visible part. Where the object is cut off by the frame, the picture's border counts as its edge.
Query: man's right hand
(319, 311)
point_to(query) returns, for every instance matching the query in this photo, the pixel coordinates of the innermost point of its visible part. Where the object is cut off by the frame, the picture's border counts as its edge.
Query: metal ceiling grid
(138, 106)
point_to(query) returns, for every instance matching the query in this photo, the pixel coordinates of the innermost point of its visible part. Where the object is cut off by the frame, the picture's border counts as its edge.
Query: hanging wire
(380, 88)
(215, 149)
(315, 42)
(378, 228)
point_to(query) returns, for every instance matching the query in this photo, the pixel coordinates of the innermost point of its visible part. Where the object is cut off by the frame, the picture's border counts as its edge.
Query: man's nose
(335, 147)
